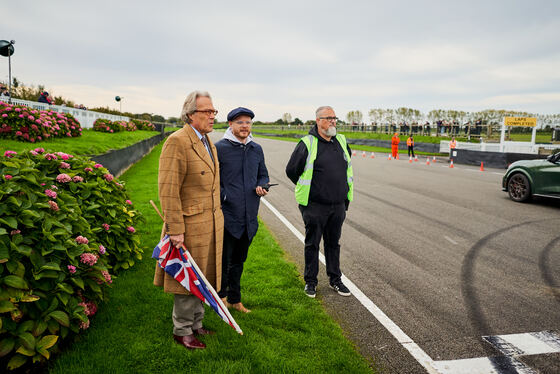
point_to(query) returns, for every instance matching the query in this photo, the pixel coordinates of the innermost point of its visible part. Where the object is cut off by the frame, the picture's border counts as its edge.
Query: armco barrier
(119, 160)
(492, 159)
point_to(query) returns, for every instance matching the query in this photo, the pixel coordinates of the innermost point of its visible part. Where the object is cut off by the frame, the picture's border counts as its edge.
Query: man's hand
(261, 191)
(177, 240)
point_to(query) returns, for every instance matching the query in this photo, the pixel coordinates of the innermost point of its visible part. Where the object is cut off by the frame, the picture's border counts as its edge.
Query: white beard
(331, 131)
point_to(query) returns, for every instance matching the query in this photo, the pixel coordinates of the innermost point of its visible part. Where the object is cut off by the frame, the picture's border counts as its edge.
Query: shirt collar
(196, 132)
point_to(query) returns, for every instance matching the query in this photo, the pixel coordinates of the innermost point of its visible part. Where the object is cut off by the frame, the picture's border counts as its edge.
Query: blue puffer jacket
(242, 169)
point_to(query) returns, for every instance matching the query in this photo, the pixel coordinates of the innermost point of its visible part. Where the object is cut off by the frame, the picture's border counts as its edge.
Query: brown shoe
(238, 306)
(189, 342)
(203, 331)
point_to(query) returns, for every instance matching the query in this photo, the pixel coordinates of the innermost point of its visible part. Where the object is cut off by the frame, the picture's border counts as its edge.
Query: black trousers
(411, 149)
(322, 221)
(234, 254)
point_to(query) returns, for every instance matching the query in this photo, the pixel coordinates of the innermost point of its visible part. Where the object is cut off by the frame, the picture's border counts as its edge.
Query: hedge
(66, 228)
(105, 125)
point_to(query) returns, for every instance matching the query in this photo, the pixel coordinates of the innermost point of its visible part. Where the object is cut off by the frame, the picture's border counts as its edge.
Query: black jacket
(242, 169)
(329, 183)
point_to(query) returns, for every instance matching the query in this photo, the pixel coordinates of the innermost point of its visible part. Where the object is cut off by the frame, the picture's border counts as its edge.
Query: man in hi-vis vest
(321, 169)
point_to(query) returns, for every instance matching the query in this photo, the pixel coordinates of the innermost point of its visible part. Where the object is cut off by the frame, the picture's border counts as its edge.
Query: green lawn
(287, 332)
(89, 144)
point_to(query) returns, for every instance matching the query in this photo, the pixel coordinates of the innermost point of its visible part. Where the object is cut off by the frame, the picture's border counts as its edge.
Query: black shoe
(340, 288)
(310, 290)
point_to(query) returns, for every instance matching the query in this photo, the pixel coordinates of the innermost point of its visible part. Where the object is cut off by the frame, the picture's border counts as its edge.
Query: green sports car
(527, 178)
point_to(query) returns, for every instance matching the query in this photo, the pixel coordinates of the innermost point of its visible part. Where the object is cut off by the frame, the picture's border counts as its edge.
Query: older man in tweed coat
(189, 193)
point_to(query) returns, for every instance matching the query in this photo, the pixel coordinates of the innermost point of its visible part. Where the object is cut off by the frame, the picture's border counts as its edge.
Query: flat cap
(240, 112)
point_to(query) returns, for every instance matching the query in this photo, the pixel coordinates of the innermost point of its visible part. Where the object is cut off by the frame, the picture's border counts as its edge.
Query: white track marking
(533, 343)
(450, 240)
(483, 365)
(547, 341)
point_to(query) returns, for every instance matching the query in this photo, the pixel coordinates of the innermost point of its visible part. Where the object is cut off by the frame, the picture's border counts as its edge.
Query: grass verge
(89, 144)
(287, 332)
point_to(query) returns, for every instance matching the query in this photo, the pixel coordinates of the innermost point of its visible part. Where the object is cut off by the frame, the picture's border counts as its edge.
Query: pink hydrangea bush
(31, 125)
(52, 224)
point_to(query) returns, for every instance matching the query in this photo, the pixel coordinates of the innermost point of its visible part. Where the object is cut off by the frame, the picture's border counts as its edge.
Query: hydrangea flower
(84, 325)
(97, 166)
(77, 178)
(107, 276)
(10, 154)
(131, 229)
(102, 250)
(88, 259)
(50, 156)
(63, 178)
(53, 205)
(108, 177)
(88, 170)
(129, 202)
(15, 232)
(8, 176)
(71, 269)
(64, 165)
(82, 240)
(106, 226)
(50, 193)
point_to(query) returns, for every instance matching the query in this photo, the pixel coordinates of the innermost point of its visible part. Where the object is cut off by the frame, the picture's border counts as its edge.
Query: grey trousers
(188, 313)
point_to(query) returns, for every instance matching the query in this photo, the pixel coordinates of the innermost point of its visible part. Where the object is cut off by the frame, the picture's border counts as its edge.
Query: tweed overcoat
(189, 193)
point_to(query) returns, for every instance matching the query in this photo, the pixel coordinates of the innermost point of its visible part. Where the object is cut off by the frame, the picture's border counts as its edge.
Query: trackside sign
(520, 121)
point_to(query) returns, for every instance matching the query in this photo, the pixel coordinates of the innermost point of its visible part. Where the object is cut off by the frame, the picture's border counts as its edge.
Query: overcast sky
(290, 56)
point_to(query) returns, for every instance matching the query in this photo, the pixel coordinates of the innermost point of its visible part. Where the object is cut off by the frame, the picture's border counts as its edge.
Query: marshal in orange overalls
(395, 145)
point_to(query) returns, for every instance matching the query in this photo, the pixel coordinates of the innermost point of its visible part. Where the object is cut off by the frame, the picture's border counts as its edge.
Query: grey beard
(331, 131)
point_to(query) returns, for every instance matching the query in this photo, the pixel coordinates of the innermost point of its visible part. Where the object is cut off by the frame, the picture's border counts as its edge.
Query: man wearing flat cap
(243, 175)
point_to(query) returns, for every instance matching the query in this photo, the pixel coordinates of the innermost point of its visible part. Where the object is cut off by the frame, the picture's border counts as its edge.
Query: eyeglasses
(331, 119)
(208, 112)
(242, 122)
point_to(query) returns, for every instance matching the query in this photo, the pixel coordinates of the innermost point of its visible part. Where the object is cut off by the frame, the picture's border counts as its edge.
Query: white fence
(511, 147)
(85, 117)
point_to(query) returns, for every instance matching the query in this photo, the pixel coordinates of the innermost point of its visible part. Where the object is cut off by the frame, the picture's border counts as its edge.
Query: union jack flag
(178, 263)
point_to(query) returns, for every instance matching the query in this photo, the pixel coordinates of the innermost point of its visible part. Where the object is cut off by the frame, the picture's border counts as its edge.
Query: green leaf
(25, 326)
(64, 297)
(29, 298)
(60, 317)
(44, 352)
(12, 200)
(6, 346)
(31, 213)
(15, 282)
(112, 212)
(40, 327)
(3, 231)
(65, 287)
(78, 282)
(10, 221)
(27, 340)
(50, 266)
(16, 362)
(24, 249)
(6, 306)
(26, 352)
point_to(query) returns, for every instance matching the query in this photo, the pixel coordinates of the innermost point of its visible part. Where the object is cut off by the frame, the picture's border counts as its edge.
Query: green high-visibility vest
(303, 185)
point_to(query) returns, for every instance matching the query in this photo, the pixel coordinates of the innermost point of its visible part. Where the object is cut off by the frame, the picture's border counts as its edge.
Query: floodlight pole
(10, 78)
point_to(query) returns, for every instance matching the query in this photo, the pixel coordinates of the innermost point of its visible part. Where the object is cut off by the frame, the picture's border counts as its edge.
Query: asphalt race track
(446, 256)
